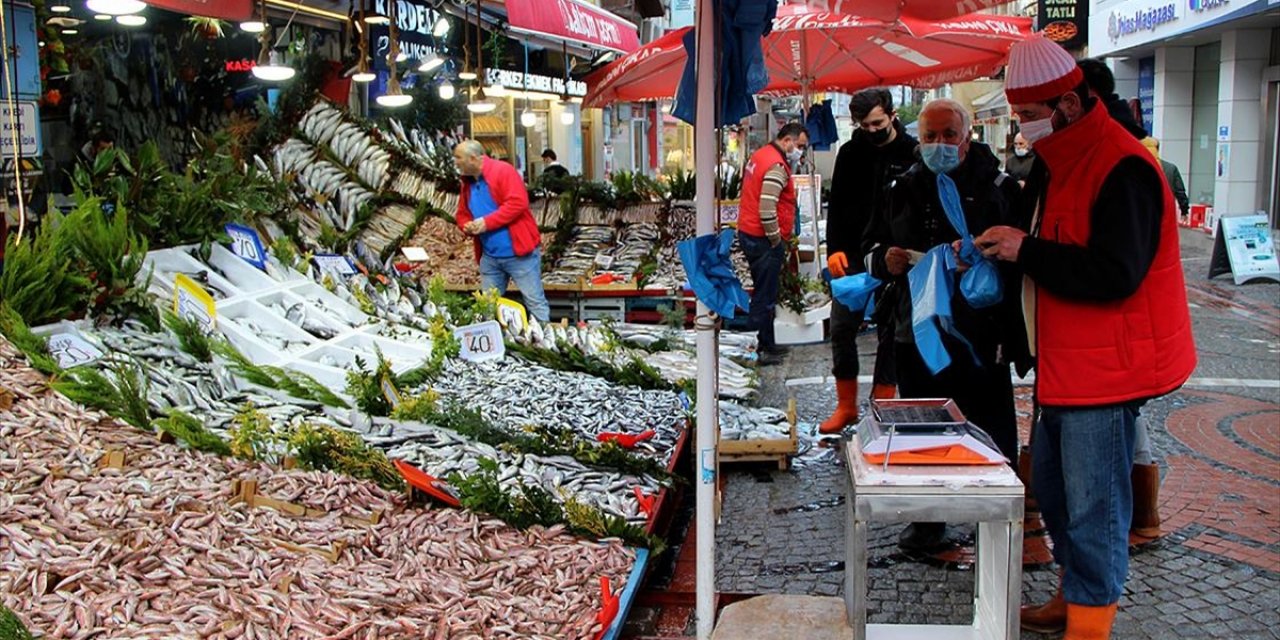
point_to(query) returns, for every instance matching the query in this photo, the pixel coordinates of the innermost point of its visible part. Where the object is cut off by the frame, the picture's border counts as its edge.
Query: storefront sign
(1243, 248)
(1206, 5)
(573, 21)
(1147, 91)
(1134, 23)
(233, 10)
(24, 119)
(24, 56)
(415, 21)
(240, 66)
(1124, 23)
(1065, 22)
(533, 82)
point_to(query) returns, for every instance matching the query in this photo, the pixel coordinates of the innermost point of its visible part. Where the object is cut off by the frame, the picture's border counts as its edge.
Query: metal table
(990, 495)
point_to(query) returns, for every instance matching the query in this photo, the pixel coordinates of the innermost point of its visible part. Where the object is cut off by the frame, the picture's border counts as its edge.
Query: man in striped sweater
(766, 220)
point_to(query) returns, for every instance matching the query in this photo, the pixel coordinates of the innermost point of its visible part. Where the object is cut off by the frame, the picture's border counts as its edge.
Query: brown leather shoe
(1050, 617)
(1146, 495)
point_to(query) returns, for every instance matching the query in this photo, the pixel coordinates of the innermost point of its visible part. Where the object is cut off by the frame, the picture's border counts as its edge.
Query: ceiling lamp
(447, 91)
(481, 107)
(70, 32)
(393, 97)
(271, 67)
(442, 27)
(527, 118)
(566, 117)
(116, 7)
(131, 20)
(430, 62)
(253, 26)
(101, 17)
(372, 15)
(495, 90)
(60, 7)
(363, 74)
(467, 73)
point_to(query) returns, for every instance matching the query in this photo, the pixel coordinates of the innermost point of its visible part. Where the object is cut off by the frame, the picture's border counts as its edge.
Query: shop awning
(233, 10)
(572, 22)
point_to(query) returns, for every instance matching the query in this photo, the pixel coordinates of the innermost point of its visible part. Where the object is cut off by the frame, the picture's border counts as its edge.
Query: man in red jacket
(766, 220)
(1108, 323)
(494, 208)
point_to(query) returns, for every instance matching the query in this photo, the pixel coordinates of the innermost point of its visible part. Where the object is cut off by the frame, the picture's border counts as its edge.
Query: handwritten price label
(246, 244)
(338, 267)
(72, 350)
(512, 315)
(481, 341)
(192, 302)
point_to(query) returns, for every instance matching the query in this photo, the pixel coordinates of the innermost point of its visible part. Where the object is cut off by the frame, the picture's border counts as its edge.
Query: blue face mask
(940, 157)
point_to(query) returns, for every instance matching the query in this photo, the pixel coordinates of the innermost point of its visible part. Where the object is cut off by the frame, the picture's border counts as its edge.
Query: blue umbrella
(710, 272)
(742, 73)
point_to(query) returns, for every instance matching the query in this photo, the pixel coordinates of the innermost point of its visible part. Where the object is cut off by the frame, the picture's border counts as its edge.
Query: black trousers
(844, 347)
(984, 394)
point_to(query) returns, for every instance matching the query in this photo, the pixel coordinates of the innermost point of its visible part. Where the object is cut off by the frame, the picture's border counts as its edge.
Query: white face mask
(1036, 130)
(1022, 153)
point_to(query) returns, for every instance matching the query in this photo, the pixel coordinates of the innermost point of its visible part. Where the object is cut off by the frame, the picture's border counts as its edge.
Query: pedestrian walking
(766, 220)
(915, 221)
(493, 207)
(1107, 314)
(1171, 175)
(879, 150)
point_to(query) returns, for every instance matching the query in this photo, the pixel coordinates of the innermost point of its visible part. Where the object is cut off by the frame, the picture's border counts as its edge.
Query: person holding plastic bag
(958, 344)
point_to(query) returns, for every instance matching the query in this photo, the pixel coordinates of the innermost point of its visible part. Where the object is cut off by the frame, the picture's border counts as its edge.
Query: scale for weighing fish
(924, 431)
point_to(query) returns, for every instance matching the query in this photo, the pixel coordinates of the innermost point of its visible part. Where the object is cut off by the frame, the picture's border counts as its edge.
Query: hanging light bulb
(102, 17)
(447, 91)
(467, 73)
(372, 15)
(253, 26)
(566, 116)
(116, 7)
(527, 118)
(430, 62)
(442, 27)
(273, 69)
(363, 74)
(394, 97)
(495, 90)
(480, 103)
(60, 7)
(131, 20)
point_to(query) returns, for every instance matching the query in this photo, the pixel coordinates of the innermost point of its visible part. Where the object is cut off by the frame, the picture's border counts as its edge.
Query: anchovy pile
(157, 549)
(733, 344)
(441, 452)
(513, 395)
(738, 422)
(635, 245)
(579, 258)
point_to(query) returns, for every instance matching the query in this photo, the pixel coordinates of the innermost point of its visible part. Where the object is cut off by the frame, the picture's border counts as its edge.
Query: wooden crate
(777, 450)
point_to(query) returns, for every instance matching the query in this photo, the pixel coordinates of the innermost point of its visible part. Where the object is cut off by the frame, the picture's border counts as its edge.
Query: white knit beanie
(1039, 71)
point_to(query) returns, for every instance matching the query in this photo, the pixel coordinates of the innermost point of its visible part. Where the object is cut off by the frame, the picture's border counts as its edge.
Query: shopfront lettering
(580, 22)
(1126, 23)
(1205, 5)
(240, 66)
(411, 16)
(534, 82)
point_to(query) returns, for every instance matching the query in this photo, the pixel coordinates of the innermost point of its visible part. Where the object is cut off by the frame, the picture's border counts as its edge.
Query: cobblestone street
(1215, 574)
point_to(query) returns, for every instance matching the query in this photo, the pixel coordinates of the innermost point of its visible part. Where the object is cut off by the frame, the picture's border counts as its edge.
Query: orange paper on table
(952, 454)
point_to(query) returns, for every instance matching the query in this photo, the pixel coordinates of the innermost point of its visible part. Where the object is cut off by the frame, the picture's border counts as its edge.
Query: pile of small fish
(158, 548)
(739, 422)
(441, 452)
(740, 345)
(634, 247)
(512, 394)
(681, 225)
(579, 258)
(450, 253)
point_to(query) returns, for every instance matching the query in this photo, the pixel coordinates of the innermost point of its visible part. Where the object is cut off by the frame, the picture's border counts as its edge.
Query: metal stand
(990, 495)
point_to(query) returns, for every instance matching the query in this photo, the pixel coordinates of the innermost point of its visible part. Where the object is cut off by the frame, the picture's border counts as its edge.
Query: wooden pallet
(777, 450)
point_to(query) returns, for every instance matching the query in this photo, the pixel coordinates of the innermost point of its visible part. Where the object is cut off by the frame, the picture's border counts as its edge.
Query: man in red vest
(766, 219)
(1106, 308)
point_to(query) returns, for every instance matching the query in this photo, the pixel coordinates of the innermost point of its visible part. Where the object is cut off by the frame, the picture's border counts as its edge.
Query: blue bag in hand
(931, 291)
(854, 291)
(980, 285)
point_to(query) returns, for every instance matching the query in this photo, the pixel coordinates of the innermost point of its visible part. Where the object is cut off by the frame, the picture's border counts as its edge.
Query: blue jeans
(1081, 458)
(526, 271)
(765, 262)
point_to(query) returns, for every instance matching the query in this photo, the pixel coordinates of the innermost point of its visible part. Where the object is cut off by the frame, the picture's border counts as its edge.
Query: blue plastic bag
(710, 272)
(980, 285)
(854, 291)
(931, 291)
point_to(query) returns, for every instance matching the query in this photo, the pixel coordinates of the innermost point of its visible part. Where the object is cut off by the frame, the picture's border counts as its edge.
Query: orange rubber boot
(884, 391)
(846, 412)
(1089, 623)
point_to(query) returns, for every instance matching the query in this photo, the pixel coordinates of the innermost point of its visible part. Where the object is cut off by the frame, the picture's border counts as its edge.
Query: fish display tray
(246, 277)
(777, 450)
(628, 596)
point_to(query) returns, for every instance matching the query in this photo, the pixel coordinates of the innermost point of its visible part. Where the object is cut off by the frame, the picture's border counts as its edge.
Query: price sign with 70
(481, 341)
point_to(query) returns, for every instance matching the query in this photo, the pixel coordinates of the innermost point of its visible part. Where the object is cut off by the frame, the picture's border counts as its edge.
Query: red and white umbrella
(890, 10)
(824, 51)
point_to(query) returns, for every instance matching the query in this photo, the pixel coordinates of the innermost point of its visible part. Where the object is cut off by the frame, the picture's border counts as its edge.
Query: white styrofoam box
(246, 277)
(257, 321)
(248, 343)
(274, 300)
(330, 303)
(400, 354)
(599, 308)
(334, 356)
(399, 332)
(332, 377)
(165, 264)
(288, 275)
(790, 327)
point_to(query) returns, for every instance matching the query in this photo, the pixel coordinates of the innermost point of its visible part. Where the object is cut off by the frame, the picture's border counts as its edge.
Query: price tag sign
(338, 267)
(604, 261)
(481, 341)
(511, 314)
(390, 392)
(72, 350)
(246, 244)
(192, 302)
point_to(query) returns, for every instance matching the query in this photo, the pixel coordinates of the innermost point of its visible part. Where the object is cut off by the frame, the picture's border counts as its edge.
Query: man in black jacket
(1102, 85)
(879, 150)
(915, 222)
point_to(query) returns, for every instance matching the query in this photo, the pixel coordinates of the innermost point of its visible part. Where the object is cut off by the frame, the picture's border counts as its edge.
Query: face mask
(940, 157)
(795, 154)
(1036, 129)
(879, 137)
(1022, 153)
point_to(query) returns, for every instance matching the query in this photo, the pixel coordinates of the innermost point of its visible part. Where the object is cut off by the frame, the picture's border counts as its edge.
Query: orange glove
(837, 263)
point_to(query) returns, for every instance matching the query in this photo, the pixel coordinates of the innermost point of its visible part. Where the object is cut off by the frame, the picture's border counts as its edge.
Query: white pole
(705, 465)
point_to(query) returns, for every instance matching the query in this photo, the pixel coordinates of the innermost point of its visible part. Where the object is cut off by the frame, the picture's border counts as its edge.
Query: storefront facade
(1207, 73)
